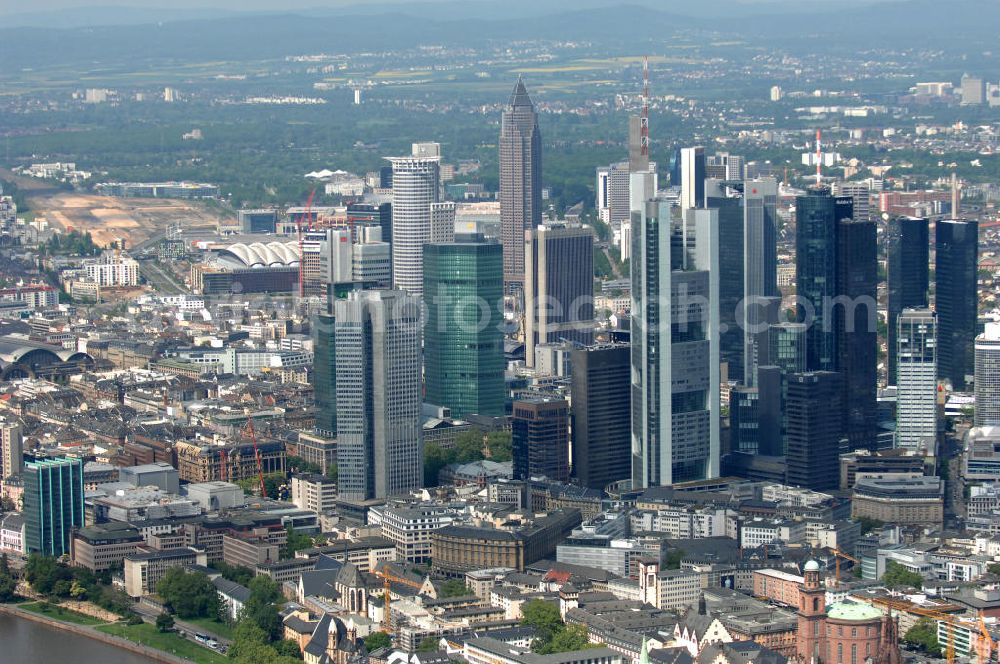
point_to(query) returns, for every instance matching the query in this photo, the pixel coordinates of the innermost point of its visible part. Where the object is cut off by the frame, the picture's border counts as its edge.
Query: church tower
(812, 616)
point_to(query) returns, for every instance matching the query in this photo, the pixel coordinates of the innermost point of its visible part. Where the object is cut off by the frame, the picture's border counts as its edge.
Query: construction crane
(256, 453)
(837, 555)
(388, 578)
(950, 620)
(985, 642)
(302, 254)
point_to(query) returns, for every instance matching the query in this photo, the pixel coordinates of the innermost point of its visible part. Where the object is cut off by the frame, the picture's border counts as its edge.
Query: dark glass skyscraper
(955, 298)
(325, 374)
(540, 438)
(520, 181)
(463, 336)
(747, 266)
(855, 318)
(907, 269)
(601, 415)
(816, 215)
(813, 416)
(53, 504)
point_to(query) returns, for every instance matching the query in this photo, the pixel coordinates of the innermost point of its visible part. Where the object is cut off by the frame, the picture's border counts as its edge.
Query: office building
(377, 346)
(973, 90)
(814, 414)
(361, 215)
(787, 346)
(860, 194)
(316, 493)
(257, 221)
(158, 474)
(955, 297)
(463, 329)
(988, 376)
(907, 270)
(904, 501)
(520, 181)
(692, 172)
(725, 166)
(748, 266)
(53, 504)
(600, 414)
(612, 200)
(11, 448)
(916, 379)
(675, 346)
(540, 438)
(325, 374)
(442, 222)
(415, 188)
(816, 216)
(558, 286)
(856, 317)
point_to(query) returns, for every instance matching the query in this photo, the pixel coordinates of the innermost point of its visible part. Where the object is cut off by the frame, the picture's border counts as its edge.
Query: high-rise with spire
(520, 181)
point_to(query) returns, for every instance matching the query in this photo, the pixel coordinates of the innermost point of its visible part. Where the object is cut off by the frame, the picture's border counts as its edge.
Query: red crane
(302, 254)
(256, 453)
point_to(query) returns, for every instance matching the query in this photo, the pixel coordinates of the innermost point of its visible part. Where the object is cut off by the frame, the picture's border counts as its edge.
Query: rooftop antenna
(644, 122)
(819, 157)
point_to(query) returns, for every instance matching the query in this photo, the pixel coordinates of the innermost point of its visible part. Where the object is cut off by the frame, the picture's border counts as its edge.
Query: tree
(868, 524)
(674, 558)
(501, 445)
(300, 465)
(235, 573)
(288, 648)
(568, 639)
(435, 458)
(295, 541)
(377, 640)
(250, 646)
(430, 644)
(77, 591)
(332, 472)
(453, 588)
(8, 584)
(261, 609)
(994, 569)
(188, 594)
(45, 572)
(923, 635)
(897, 576)
(164, 622)
(544, 617)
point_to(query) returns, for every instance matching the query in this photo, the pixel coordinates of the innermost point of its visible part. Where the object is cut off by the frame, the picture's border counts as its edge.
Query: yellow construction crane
(950, 620)
(985, 642)
(388, 578)
(837, 555)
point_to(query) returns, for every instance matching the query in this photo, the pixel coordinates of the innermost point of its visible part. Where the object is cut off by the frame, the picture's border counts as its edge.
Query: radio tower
(644, 122)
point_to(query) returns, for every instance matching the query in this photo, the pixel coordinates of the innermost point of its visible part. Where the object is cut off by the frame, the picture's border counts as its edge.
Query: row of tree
(469, 446)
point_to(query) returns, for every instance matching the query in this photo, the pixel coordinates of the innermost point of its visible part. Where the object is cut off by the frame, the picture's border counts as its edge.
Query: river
(28, 642)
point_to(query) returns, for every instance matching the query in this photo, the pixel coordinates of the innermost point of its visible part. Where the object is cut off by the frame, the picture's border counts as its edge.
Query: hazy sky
(683, 6)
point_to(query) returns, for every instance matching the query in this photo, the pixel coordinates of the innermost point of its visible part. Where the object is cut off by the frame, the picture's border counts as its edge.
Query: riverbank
(92, 633)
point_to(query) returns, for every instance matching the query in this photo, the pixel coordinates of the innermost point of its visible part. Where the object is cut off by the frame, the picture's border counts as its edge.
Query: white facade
(113, 270)
(916, 379)
(988, 376)
(410, 529)
(415, 187)
(314, 492)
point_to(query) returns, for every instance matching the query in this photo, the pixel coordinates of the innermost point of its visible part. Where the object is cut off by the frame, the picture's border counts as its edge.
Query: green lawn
(60, 613)
(147, 635)
(210, 626)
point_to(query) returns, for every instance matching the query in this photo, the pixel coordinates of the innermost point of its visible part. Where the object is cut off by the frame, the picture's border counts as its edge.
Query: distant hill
(962, 24)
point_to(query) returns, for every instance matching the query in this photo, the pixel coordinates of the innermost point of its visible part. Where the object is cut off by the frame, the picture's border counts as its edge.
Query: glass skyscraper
(816, 216)
(325, 375)
(907, 269)
(53, 504)
(955, 297)
(463, 336)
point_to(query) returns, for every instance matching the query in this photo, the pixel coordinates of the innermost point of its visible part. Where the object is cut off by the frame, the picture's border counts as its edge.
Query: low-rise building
(104, 546)
(314, 492)
(144, 570)
(903, 501)
(778, 586)
(411, 527)
(12, 534)
(486, 650)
